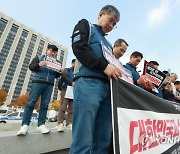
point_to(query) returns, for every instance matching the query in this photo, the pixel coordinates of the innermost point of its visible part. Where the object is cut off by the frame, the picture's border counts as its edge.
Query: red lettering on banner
(169, 128)
(176, 130)
(52, 65)
(142, 131)
(154, 128)
(133, 147)
(148, 129)
(153, 144)
(150, 132)
(160, 126)
(153, 79)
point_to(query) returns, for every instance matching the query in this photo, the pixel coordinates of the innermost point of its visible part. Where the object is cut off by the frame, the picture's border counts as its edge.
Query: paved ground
(34, 142)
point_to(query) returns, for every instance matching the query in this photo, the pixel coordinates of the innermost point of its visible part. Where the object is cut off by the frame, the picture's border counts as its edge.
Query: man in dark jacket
(66, 104)
(42, 85)
(135, 59)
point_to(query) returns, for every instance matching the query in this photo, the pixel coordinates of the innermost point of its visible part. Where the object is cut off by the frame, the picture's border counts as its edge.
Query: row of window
(3, 24)
(16, 55)
(7, 45)
(25, 64)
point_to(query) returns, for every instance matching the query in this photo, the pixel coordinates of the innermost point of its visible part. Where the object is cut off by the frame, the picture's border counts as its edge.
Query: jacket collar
(132, 66)
(99, 28)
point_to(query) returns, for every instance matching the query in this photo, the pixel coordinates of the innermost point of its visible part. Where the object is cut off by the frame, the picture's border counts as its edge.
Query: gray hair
(109, 9)
(174, 75)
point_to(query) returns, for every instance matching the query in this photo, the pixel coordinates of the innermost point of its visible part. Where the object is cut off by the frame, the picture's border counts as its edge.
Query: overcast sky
(151, 27)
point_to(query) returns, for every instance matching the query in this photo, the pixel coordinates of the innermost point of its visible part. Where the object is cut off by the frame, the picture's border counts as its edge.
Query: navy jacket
(87, 40)
(42, 74)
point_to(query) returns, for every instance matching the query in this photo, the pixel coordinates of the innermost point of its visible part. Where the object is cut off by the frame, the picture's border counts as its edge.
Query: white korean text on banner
(53, 63)
(142, 122)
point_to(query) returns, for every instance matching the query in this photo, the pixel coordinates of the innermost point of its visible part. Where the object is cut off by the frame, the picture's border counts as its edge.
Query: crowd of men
(91, 123)
(169, 89)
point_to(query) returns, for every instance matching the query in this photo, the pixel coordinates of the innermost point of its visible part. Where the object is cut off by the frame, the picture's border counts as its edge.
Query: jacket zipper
(48, 74)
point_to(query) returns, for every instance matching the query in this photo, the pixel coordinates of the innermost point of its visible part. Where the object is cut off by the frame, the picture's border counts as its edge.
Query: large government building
(19, 44)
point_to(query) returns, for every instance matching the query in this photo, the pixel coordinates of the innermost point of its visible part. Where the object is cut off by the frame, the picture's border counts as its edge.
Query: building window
(24, 67)
(7, 45)
(3, 24)
(15, 59)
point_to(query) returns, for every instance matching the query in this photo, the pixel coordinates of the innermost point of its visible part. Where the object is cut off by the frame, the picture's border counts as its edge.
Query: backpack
(60, 82)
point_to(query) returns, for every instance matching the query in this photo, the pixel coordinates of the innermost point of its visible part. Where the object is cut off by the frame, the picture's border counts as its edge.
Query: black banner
(142, 122)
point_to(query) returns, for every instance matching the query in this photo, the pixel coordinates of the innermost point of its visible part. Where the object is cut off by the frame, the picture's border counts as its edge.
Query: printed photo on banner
(53, 63)
(155, 76)
(126, 74)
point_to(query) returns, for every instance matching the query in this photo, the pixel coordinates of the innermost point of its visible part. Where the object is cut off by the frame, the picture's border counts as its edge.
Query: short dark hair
(109, 9)
(137, 54)
(176, 82)
(154, 63)
(73, 61)
(53, 47)
(118, 42)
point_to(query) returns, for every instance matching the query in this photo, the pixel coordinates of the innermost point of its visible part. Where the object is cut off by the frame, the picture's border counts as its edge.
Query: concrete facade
(19, 45)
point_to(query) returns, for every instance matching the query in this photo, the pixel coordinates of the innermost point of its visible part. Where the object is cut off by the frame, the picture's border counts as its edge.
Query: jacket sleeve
(65, 77)
(34, 65)
(58, 74)
(81, 48)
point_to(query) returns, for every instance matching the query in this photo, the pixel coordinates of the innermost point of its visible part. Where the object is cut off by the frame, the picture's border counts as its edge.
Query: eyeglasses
(112, 22)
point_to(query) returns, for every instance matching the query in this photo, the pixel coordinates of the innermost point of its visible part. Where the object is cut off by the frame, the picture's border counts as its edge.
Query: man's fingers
(118, 73)
(114, 76)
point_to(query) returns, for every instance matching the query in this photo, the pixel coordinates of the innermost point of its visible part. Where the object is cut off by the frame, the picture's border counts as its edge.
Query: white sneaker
(60, 127)
(23, 130)
(43, 129)
(69, 127)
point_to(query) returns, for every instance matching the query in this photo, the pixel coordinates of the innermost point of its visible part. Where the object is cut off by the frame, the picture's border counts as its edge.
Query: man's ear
(100, 14)
(131, 57)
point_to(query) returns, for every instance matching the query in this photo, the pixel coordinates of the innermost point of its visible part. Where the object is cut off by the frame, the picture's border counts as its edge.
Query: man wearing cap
(42, 85)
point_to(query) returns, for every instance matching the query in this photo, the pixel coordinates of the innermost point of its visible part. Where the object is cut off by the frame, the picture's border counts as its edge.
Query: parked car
(52, 116)
(16, 117)
(4, 112)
